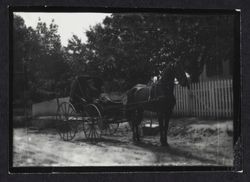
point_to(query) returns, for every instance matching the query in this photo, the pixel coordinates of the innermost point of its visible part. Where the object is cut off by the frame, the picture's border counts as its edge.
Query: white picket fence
(205, 99)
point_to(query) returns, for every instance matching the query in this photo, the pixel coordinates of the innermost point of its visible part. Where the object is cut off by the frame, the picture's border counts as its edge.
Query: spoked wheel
(66, 121)
(92, 123)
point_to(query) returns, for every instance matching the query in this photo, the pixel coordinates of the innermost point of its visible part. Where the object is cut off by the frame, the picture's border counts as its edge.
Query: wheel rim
(66, 127)
(92, 123)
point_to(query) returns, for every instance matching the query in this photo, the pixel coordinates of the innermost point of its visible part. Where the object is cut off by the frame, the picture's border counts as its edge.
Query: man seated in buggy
(86, 89)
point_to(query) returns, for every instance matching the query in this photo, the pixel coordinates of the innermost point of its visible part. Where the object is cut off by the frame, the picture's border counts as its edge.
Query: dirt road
(192, 142)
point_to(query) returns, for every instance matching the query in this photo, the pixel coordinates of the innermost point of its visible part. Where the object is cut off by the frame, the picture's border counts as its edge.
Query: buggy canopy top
(85, 88)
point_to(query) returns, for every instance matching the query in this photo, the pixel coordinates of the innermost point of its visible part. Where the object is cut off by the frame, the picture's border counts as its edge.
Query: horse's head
(180, 74)
(172, 71)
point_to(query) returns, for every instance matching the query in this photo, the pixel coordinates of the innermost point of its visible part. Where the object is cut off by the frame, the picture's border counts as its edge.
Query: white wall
(47, 108)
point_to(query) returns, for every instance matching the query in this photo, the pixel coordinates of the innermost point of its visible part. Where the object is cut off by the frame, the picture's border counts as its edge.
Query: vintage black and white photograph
(123, 89)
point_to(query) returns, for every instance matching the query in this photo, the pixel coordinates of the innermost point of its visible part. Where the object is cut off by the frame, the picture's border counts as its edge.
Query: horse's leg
(139, 117)
(136, 123)
(165, 127)
(133, 125)
(160, 119)
(133, 129)
(131, 121)
(137, 138)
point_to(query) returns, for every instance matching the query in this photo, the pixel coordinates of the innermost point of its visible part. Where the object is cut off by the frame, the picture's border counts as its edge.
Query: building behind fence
(205, 99)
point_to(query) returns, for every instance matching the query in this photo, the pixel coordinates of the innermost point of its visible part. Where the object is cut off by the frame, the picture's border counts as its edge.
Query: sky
(68, 23)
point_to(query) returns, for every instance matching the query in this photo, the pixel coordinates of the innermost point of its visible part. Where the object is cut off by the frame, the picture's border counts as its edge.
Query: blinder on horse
(181, 74)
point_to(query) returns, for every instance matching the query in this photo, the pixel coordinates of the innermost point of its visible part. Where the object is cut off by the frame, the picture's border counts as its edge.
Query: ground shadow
(100, 141)
(177, 152)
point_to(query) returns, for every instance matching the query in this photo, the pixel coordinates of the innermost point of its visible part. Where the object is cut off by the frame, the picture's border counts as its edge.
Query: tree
(135, 47)
(76, 55)
(50, 70)
(41, 52)
(20, 55)
(118, 50)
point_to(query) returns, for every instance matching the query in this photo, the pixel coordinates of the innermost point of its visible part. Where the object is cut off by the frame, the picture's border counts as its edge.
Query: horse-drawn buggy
(89, 109)
(100, 113)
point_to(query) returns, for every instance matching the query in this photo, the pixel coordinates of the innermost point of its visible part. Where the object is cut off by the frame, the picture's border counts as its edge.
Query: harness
(151, 92)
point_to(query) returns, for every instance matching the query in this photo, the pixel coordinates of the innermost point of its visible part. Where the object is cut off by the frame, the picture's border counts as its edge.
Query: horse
(157, 98)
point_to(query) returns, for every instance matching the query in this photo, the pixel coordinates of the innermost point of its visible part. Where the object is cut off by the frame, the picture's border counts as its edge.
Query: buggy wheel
(66, 121)
(92, 122)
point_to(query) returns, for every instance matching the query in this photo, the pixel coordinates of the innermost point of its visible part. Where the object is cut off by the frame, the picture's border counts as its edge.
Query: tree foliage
(125, 49)
(134, 47)
(76, 55)
(38, 54)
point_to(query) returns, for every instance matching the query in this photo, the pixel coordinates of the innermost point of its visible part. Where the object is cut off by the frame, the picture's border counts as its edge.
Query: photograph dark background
(177, 176)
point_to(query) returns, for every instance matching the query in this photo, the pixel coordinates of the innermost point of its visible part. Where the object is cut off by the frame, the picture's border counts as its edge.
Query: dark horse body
(158, 98)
